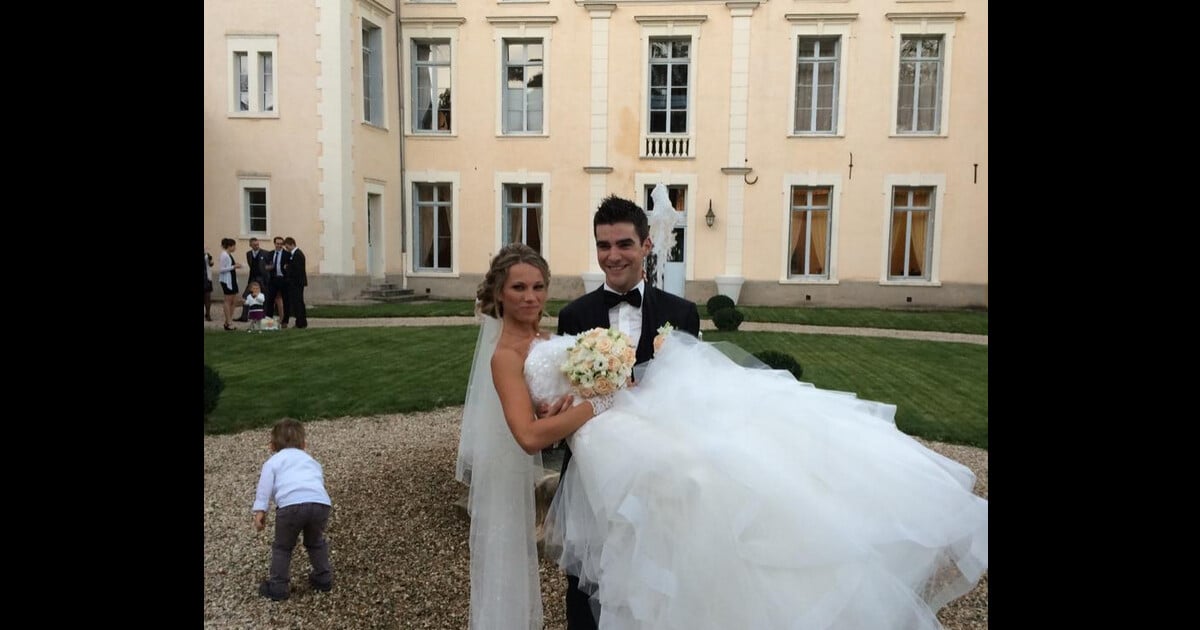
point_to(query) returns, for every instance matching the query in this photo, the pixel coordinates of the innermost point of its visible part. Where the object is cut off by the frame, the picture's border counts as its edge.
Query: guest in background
(256, 269)
(277, 286)
(297, 278)
(228, 277)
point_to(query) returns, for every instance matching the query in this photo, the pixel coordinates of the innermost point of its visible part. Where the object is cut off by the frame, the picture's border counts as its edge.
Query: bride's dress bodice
(543, 373)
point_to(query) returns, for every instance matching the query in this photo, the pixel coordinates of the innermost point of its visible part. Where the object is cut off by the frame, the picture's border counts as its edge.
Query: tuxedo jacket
(658, 307)
(256, 266)
(284, 258)
(294, 269)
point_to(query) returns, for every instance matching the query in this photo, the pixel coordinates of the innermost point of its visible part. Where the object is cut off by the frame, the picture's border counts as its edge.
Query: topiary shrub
(780, 361)
(212, 389)
(728, 319)
(718, 302)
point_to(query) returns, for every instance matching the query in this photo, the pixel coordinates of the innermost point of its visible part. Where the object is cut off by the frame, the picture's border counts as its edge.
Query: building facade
(816, 152)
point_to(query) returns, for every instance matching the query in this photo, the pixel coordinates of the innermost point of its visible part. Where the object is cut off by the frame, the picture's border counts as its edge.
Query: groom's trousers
(579, 608)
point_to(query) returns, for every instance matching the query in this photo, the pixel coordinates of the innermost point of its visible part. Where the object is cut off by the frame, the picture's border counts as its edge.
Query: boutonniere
(661, 337)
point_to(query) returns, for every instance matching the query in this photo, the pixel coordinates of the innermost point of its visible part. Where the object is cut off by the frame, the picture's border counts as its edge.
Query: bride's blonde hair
(487, 298)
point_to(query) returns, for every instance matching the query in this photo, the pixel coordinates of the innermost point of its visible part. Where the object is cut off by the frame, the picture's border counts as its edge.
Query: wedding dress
(713, 496)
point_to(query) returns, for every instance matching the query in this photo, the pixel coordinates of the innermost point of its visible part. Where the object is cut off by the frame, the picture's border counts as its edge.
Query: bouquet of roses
(600, 362)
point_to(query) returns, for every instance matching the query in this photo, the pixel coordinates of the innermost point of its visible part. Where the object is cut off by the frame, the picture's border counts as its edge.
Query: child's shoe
(317, 586)
(265, 590)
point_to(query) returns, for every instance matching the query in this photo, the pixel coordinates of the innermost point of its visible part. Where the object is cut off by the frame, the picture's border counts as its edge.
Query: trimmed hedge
(728, 319)
(718, 302)
(780, 361)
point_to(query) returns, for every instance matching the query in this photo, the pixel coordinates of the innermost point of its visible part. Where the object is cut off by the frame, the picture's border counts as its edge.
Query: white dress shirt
(625, 316)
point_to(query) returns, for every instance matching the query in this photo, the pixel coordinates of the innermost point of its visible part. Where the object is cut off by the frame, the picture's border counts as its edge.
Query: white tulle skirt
(717, 497)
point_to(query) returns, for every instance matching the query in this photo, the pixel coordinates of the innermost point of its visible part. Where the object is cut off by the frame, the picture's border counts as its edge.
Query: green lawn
(940, 388)
(957, 321)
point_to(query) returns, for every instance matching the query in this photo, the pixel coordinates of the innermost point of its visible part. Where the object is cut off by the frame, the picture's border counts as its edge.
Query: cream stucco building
(839, 147)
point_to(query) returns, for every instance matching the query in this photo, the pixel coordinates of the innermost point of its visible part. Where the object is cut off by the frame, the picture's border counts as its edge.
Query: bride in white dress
(712, 496)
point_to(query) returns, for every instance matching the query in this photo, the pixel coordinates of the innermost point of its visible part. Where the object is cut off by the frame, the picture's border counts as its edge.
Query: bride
(709, 496)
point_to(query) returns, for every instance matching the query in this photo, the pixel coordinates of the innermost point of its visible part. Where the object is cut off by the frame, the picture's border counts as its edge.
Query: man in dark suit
(256, 264)
(277, 285)
(297, 278)
(622, 242)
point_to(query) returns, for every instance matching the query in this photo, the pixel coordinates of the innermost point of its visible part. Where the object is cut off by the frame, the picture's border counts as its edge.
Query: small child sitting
(296, 482)
(254, 307)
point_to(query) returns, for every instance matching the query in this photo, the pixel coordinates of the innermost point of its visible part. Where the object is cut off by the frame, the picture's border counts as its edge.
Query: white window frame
(426, 29)
(681, 26)
(254, 46)
(810, 179)
(833, 24)
(691, 181)
(938, 182)
(521, 178)
(378, 95)
(412, 178)
(923, 24)
(526, 28)
(245, 184)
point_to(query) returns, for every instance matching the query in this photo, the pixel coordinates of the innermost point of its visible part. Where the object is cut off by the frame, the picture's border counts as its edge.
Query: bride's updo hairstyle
(487, 298)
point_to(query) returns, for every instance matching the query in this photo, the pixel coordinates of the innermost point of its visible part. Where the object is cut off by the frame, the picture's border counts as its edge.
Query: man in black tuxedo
(256, 264)
(297, 278)
(277, 284)
(622, 242)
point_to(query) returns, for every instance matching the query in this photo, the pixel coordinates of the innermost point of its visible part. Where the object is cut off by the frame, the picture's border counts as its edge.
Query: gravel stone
(397, 542)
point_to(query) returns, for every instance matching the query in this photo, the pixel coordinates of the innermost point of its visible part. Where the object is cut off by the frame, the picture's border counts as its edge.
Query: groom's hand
(546, 410)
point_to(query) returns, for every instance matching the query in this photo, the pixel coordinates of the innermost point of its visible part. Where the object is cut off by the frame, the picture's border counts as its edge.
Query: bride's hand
(545, 410)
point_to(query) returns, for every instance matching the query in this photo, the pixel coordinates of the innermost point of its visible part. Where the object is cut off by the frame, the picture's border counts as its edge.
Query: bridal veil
(505, 591)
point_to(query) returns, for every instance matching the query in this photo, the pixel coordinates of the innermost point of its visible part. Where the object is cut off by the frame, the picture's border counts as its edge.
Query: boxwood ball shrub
(728, 319)
(718, 302)
(780, 361)
(212, 389)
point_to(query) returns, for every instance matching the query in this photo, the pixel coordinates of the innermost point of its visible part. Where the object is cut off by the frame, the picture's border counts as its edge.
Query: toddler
(296, 482)
(254, 307)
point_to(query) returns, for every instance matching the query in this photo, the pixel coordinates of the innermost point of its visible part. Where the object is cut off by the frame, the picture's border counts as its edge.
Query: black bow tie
(611, 299)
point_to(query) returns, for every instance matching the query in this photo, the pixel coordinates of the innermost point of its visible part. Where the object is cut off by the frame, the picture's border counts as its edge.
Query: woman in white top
(228, 279)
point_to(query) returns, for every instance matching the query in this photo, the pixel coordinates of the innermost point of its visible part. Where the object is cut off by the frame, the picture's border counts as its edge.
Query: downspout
(400, 127)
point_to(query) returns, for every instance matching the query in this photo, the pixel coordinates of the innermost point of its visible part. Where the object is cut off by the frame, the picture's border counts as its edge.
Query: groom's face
(620, 253)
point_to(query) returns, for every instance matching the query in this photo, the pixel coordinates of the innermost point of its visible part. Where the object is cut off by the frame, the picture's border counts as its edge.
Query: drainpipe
(400, 128)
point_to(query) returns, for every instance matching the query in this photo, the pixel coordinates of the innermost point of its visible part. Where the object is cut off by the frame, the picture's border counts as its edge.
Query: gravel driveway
(398, 544)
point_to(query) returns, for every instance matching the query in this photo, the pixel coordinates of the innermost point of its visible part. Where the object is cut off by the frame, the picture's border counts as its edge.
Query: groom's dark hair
(614, 209)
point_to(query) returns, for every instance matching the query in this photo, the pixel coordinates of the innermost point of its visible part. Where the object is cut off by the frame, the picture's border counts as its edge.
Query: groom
(622, 234)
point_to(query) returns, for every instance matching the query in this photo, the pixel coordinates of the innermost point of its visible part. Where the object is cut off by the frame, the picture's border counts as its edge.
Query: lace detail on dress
(543, 373)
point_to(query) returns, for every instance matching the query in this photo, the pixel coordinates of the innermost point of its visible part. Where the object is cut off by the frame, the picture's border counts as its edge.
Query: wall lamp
(710, 217)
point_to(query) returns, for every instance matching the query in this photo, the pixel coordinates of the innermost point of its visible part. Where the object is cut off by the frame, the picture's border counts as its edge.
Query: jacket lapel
(645, 347)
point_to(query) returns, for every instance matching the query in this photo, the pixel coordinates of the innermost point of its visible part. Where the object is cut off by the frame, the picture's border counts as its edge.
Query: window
(252, 75)
(432, 229)
(817, 77)
(372, 70)
(918, 106)
(431, 85)
(910, 245)
(669, 65)
(921, 79)
(669, 75)
(809, 234)
(523, 89)
(522, 217)
(254, 202)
